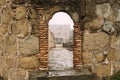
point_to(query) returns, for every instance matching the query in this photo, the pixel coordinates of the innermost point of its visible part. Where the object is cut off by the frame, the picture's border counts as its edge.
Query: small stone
(95, 41)
(103, 10)
(29, 46)
(99, 57)
(31, 62)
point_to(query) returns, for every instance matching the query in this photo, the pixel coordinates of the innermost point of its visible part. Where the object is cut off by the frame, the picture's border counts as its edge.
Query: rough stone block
(21, 28)
(3, 29)
(21, 12)
(16, 74)
(9, 45)
(99, 57)
(113, 55)
(31, 62)
(95, 41)
(29, 46)
(104, 10)
(103, 70)
(87, 58)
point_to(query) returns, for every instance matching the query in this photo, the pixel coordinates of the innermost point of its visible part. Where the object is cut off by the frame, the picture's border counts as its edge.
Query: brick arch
(77, 47)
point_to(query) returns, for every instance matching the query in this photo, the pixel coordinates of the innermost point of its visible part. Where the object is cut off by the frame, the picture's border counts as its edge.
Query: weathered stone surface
(51, 40)
(113, 55)
(117, 44)
(21, 12)
(2, 2)
(3, 29)
(97, 23)
(118, 15)
(108, 27)
(9, 45)
(100, 1)
(10, 61)
(32, 14)
(75, 16)
(113, 41)
(99, 57)
(87, 58)
(21, 28)
(103, 10)
(31, 62)
(6, 15)
(95, 41)
(103, 70)
(29, 46)
(16, 74)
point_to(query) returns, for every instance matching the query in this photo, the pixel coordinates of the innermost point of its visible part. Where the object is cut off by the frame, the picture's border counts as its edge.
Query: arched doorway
(60, 53)
(45, 16)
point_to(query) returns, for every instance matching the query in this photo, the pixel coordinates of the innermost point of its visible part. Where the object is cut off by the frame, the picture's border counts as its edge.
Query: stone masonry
(24, 35)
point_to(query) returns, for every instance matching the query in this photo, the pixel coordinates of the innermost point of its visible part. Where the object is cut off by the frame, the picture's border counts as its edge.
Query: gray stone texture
(104, 10)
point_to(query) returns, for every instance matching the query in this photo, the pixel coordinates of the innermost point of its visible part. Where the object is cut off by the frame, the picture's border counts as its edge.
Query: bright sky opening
(61, 18)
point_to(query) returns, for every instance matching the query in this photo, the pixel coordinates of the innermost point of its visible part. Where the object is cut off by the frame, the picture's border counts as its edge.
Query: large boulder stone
(95, 41)
(30, 62)
(29, 46)
(104, 10)
(16, 74)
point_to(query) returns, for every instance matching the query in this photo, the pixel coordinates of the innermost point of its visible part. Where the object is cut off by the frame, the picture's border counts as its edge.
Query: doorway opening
(60, 39)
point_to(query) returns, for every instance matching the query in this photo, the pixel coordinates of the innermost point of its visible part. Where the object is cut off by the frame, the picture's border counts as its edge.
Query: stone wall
(19, 43)
(19, 38)
(101, 37)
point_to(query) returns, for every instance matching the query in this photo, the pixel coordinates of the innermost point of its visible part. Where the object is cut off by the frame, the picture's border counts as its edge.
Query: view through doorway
(60, 42)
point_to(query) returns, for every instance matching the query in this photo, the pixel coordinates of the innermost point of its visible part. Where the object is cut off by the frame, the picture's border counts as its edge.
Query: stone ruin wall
(19, 41)
(101, 40)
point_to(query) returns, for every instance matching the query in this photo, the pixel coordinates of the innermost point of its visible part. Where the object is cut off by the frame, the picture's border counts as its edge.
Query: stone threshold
(36, 75)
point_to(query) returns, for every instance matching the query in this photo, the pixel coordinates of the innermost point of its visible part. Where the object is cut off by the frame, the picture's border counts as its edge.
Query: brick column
(43, 34)
(77, 48)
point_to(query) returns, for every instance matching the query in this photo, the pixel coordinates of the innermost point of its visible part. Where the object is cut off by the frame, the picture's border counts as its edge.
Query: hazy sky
(61, 18)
